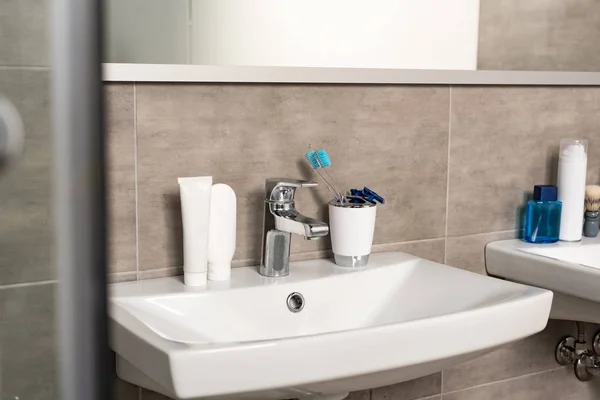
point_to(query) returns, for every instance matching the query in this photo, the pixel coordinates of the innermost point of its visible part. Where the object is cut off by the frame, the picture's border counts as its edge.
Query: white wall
(147, 31)
(412, 34)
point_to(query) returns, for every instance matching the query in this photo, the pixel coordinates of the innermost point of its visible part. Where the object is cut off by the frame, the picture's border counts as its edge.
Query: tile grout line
(27, 284)
(505, 380)
(122, 273)
(435, 396)
(484, 233)
(135, 177)
(409, 241)
(448, 175)
(161, 269)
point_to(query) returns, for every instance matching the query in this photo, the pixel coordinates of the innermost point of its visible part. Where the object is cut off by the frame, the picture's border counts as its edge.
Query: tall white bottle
(572, 169)
(221, 232)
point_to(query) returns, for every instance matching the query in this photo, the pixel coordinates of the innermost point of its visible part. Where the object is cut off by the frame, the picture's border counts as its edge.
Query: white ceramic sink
(571, 270)
(401, 318)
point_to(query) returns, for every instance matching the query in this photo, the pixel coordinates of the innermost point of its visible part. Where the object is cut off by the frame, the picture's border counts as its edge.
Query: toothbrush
(312, 159)
(325, 161)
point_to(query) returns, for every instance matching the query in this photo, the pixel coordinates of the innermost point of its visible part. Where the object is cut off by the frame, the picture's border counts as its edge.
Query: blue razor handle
(371, 194)
(368, 195)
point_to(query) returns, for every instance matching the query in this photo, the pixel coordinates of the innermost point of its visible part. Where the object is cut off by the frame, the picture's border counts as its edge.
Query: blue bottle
(542, 223)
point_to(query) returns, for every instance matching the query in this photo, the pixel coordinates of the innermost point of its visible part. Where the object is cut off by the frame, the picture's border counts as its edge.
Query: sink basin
(318, 333)
(586, 253)
(571, 270)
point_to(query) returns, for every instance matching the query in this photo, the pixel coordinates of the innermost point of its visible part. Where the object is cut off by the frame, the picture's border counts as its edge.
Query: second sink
(570, 270)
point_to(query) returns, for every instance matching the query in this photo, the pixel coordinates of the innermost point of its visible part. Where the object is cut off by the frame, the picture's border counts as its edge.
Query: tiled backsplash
(505, 140)
(450, 161)
(454, 163)
(242, 135)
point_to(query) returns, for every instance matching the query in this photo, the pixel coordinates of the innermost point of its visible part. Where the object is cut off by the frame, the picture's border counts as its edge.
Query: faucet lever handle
(309, 184)
(284, 189)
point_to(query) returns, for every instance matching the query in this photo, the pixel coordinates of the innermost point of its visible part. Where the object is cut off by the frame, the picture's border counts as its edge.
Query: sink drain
(295, 302)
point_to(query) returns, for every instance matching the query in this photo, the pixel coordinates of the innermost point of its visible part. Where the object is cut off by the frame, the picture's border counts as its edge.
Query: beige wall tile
(121, 177)
(122, 277)
(25, 191)
(429, 385)
(533, 354)
(468, 252)
(125, 390)
(503, 141)
(150, 395)
(539, 35)
(432, 249)
(558, 384)
(362, 395)
(25, 32)
(28, 343)
(393, 139)
(313, 255)
(161, 273)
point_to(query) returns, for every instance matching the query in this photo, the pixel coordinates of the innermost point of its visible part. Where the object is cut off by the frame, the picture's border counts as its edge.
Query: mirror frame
(254, 74)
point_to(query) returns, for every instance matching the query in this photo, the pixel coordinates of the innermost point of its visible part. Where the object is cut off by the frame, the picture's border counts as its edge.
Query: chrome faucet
(281, 219)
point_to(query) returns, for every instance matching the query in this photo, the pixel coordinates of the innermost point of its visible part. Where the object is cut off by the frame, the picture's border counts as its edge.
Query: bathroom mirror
(302, 40)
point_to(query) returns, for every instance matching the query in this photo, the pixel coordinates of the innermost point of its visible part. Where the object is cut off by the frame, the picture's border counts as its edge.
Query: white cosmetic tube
(221, 234)
(195, 215)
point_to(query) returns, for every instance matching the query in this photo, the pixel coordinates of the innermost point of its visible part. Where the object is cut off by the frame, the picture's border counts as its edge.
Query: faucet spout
(293, 222)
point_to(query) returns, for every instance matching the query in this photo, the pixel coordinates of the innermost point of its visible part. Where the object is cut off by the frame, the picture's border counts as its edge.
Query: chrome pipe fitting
(586, 362)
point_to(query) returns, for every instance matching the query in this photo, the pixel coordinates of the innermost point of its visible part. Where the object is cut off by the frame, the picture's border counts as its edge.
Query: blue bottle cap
(545, 193)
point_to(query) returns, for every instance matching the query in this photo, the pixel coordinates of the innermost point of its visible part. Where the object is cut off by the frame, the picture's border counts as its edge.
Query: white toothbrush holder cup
(351, 226)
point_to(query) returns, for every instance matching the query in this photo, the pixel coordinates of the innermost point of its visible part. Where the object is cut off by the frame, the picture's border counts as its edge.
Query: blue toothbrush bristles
(324, 159)
(311, 156)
